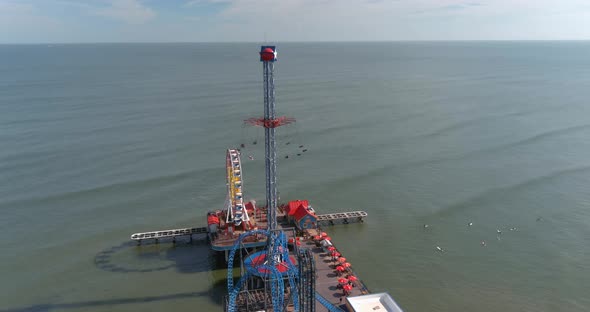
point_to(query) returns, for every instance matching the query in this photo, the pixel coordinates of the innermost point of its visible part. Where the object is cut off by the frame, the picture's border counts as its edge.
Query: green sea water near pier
(98, 141)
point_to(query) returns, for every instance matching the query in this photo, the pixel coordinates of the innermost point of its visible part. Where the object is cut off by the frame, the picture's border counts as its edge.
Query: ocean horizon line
(298, 41)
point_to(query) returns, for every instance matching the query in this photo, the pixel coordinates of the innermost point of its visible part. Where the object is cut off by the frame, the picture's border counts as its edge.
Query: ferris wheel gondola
(236, 212)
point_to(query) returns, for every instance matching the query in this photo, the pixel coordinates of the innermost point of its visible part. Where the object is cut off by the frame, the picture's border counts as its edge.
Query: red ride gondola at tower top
(268, 54)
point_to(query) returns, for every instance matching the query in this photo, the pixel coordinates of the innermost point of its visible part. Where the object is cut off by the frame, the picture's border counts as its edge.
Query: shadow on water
(215, 294)
(98, 303)
(183, 256)
(186, 257)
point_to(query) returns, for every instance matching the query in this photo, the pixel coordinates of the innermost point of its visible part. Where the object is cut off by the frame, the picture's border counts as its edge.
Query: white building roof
(381, 302)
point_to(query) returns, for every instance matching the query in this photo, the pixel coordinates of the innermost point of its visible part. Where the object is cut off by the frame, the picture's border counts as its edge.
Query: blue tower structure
(274, 266)
(268, 56)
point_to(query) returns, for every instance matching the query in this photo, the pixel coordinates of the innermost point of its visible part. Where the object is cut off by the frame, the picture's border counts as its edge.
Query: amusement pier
(287, 261)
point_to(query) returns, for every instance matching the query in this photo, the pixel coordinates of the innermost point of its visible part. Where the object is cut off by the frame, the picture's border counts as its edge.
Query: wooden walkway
(327, 277)
(344, 217)
(168, 234)
(326, 283)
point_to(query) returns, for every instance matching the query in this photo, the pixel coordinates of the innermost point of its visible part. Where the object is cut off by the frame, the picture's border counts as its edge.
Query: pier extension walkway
(341, 217)
(327, 282)
(168, 234)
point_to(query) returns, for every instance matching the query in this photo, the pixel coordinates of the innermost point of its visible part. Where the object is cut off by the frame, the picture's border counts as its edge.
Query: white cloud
(342, 20)
(198, 2)
(14, 13)
(10, 9)
(21, 21)
(295, 20)
(128, 11)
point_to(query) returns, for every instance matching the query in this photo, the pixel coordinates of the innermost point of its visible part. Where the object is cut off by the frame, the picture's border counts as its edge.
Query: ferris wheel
(236, 213)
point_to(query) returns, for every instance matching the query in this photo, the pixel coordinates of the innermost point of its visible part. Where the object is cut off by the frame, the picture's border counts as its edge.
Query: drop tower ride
(268, 56)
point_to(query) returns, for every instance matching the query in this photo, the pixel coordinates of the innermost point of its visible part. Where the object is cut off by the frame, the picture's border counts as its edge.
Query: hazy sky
(25, 21)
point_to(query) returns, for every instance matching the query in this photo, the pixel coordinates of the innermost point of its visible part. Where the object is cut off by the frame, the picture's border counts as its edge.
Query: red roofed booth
(304, 218)
(249, 206)
(294, 204)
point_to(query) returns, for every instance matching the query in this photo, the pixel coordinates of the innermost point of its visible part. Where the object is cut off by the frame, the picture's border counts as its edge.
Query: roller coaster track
(274, 279)
(327, 304)
(306, 281)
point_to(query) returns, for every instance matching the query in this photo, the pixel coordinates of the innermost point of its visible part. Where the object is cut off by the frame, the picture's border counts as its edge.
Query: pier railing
(343, 217)
(168, 233)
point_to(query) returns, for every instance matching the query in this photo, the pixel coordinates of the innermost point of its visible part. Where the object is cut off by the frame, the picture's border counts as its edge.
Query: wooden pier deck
(341, 217)
(174, 233)
(327, 277)
(326, 281)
